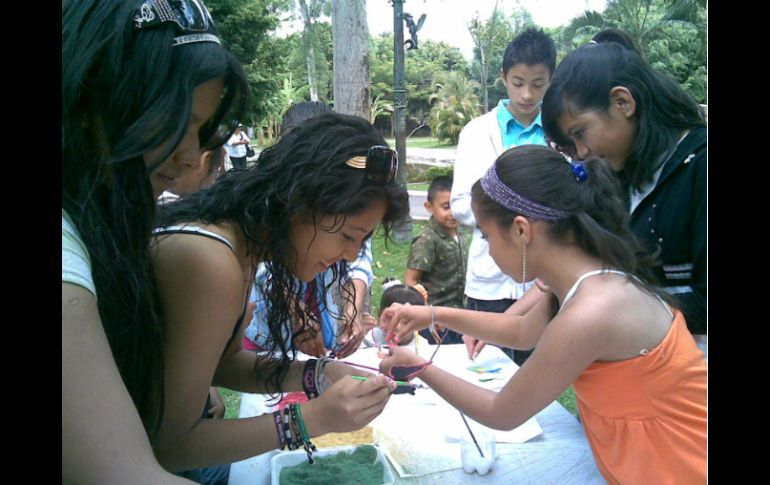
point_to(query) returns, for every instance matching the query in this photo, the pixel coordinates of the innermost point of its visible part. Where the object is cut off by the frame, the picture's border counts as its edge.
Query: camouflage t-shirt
(442, 260)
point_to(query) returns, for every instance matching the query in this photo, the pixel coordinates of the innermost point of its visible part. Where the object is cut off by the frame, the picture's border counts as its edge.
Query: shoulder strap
(574, 287)
(198, 231)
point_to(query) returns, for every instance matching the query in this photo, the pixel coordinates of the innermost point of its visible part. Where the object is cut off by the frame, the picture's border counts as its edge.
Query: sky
(447, 20)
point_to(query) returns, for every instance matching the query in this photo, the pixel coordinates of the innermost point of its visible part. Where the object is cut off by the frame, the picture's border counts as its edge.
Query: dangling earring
(523, 265)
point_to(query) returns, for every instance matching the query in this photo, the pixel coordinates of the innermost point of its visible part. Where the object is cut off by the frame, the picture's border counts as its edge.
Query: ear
(428, 207)
(502, 75)
(623, 101)
(520, 230)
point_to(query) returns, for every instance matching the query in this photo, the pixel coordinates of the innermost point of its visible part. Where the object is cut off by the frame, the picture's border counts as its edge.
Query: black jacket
(673, 217)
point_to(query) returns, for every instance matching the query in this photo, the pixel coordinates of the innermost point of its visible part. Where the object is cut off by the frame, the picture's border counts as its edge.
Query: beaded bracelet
(292, 445)
(296, 417)
(309, 379)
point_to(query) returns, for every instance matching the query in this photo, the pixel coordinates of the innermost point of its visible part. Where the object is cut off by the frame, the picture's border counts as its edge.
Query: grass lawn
(418, 186)
(232, 401)
(387, 260)
(422, 142)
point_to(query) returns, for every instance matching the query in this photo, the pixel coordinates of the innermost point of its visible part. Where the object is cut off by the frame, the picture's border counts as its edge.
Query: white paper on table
(455, 429)
(420, 434)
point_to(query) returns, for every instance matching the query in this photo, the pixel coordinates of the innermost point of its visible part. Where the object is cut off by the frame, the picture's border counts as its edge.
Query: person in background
(437, 257)
(602, 326)
(528, 64)
(236, 147)
(606, 101)
(211, 167)
(137, 109)
(393, 291)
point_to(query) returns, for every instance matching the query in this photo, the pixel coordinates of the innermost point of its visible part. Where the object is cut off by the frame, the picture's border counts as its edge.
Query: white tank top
(580, 279)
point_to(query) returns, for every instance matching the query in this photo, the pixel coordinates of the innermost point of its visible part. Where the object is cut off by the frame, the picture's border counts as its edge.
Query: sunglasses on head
(380, 164)
(190, 16)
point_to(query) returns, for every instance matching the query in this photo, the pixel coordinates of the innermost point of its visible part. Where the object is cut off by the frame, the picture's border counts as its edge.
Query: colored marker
(400, 383)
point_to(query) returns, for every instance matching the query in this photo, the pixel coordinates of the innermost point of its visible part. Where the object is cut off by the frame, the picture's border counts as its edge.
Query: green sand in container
(358, 468)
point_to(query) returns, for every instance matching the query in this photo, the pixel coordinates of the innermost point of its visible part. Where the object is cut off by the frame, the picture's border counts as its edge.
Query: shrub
(434, 172)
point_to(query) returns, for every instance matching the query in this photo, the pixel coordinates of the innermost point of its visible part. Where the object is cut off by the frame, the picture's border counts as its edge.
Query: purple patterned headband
(503, 195)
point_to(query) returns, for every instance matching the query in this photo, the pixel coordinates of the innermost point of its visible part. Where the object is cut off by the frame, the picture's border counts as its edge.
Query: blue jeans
(213, 475)
(498, 306)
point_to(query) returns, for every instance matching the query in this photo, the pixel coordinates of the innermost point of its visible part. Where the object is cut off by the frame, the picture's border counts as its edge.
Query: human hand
(473, 345)
(217, 409)
(401, 320)
(350, 404)
(311, 345)
(400, 357)
(357, 330)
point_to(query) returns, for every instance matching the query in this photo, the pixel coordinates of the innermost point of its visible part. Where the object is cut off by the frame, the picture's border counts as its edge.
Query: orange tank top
(645, 417)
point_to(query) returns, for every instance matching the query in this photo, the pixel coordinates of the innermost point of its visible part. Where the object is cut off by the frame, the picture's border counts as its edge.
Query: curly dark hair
(126, 92)
(303, 174)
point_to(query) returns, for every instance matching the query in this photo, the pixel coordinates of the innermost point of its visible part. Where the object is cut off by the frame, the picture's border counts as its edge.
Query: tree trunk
(350, 35)
(308, 39)
(310, 55)
(484, 79)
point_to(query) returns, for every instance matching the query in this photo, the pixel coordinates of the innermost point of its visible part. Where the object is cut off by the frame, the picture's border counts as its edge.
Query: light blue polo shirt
(514, 134)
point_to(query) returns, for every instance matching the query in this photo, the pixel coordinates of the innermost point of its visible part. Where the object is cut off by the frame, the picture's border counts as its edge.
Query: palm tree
(456, 104)
(642, 19)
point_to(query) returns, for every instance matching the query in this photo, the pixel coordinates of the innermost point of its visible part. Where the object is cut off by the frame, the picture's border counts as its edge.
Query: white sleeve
(463, 179)
(361, 268)
(75, 262)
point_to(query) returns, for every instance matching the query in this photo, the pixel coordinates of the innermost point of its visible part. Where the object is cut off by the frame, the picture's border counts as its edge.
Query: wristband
(309, 379)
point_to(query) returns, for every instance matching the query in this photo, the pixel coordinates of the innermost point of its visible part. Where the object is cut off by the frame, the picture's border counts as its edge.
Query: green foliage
(671, 34)
(380, 106)
(232, 400)
(567, 399)
(488, 37)
(316, 68)
(389, 259)
(419, 66)
(293, 49)
(456, 104)
(434, 172)
(493, 36)
(245, 27)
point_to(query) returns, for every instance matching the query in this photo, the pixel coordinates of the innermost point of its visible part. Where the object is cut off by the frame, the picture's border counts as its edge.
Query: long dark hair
(598, 219)
(583, 81)
(303, 174)
(124, 93)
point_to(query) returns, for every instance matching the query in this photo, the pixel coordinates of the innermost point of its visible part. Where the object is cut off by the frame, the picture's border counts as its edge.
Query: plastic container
(291, 458)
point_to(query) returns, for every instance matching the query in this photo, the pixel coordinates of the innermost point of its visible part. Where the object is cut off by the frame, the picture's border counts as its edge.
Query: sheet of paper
(420, 434)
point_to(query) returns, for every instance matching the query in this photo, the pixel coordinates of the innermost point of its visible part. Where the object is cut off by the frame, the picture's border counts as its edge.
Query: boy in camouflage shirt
(438, 258)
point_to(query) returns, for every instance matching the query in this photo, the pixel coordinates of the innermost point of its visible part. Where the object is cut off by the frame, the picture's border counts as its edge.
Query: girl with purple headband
(639, 378)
